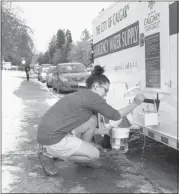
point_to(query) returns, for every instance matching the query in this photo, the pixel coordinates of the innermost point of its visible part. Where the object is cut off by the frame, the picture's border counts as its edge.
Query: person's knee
(95, 155)
(93, 121)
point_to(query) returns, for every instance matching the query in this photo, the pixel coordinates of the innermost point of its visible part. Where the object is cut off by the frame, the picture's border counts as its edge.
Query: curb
(45, 88)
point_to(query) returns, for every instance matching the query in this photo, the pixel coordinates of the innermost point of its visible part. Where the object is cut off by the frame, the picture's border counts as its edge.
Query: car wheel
(47, 85)
(54, 89)
(60, 88)
(53, 85)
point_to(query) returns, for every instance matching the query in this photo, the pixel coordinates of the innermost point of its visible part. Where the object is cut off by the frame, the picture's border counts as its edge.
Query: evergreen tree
(52, 48)
(68, 37)
(60, 38)
(85, 35)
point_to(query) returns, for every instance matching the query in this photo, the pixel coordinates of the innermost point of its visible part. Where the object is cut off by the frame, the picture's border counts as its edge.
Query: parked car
(42, 72)
(50, 72)
(36, 68)
(90, 69)
(69, 77)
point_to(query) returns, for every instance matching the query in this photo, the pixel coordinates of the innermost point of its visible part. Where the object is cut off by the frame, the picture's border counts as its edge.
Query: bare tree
(17, 42)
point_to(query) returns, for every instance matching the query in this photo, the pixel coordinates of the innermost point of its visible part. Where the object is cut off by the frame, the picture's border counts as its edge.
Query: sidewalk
(19, 159)
(21, 169)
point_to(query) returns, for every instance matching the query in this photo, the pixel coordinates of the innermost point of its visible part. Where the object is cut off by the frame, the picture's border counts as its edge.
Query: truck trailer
(138, 45)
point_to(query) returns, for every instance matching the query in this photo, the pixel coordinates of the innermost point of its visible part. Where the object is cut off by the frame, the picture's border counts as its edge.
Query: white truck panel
(131, 57)
(139, 50)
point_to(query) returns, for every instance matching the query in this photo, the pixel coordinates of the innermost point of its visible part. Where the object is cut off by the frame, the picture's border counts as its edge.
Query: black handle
(149, 101)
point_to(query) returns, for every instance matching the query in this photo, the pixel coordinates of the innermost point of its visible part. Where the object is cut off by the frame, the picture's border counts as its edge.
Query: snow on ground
(12, 114)
(55, 96)
(51, 102)
(12, 110)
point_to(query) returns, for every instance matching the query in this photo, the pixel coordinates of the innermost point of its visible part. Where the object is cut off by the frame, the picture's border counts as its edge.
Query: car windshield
(72, 68)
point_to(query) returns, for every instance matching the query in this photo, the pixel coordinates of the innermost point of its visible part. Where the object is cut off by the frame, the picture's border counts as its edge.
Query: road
(144, 169)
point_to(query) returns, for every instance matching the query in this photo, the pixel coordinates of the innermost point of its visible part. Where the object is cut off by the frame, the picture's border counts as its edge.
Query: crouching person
(67, 128)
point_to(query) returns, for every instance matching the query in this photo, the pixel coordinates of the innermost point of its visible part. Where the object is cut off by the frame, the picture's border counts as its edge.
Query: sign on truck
(137, 43)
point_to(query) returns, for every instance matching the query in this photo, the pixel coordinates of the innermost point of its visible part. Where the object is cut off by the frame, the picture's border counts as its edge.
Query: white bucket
(120, 133)
(119, 138)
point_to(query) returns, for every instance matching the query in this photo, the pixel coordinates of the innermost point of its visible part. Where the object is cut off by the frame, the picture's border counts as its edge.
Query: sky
(45, 18)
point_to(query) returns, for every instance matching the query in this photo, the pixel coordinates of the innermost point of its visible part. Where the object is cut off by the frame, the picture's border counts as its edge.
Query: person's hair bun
(98, 70)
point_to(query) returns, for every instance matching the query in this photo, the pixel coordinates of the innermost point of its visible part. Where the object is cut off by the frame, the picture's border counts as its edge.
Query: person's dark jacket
(27, 68)
(69, 113)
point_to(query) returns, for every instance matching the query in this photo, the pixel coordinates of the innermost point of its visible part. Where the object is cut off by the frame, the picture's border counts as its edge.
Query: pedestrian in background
(27, 70)
(67, 128)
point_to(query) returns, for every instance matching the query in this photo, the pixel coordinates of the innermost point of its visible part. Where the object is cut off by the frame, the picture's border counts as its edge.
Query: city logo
(151, 4)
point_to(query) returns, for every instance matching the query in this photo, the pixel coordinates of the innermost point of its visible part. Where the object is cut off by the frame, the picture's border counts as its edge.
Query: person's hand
(106, 130)
(109, 126)
(139, 98)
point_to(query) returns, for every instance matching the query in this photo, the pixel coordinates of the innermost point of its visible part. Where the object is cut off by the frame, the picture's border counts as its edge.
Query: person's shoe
(94, 164)
(48, 165)
(91, 164)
